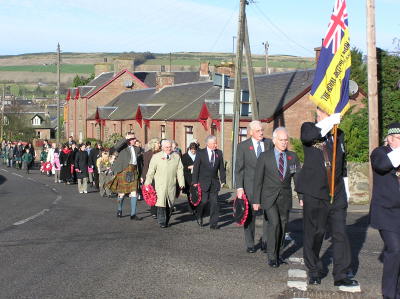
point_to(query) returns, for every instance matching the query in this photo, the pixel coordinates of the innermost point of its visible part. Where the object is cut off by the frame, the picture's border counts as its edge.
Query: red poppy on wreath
(289, 158)
(251, 148)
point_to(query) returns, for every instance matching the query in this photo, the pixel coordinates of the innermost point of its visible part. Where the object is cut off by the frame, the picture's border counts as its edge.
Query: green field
(282, 62)
(65, 68)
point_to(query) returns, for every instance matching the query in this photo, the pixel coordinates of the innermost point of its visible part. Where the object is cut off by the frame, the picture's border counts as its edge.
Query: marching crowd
(264, 171)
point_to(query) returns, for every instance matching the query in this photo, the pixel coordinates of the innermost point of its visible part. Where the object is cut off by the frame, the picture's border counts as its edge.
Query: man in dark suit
(247, 155)
(318, 212)
(385, 208)
(272, 189)
(207, 163)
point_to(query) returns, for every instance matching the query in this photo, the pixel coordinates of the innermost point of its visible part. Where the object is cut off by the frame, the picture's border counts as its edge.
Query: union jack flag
(337, 26)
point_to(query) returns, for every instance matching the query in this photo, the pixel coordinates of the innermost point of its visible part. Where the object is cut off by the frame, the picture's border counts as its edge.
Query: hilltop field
(27, 70)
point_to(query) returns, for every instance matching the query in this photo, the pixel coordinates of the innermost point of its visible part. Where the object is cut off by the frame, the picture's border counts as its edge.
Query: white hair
(275, 133)
(210, 137)
(165, 141)
(254, 123)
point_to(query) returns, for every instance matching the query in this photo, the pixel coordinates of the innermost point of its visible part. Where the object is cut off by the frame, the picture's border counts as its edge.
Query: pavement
(56, 243)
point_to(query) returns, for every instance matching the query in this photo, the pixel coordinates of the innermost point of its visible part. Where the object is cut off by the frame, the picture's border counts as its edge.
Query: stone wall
(358, 174)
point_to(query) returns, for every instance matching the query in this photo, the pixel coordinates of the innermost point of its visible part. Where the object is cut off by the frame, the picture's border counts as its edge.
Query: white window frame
(36, 121)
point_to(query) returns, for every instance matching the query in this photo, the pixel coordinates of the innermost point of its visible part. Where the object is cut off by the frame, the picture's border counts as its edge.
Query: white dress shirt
(255, 145)
(133, 155)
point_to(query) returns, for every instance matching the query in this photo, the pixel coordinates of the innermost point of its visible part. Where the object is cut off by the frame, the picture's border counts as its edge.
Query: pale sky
(291, 27)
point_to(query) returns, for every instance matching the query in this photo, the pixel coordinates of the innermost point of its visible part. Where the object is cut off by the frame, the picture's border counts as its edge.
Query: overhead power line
(280, 30)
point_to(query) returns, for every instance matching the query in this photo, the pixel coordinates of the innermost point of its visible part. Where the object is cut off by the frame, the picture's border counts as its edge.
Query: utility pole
(2, 110)
(58, 93)
(233, 48)
(250, 74)
(266, 46)
(373, 116)
(237, 89)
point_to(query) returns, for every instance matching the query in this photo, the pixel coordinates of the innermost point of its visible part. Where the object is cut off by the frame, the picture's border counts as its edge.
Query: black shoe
(273, 263)
(163, 225)
(154, 216)
(134, 217)
(250, 249)
(314, 280)
(119, 214)
(346, 282)
(199, 221)
(214, 227)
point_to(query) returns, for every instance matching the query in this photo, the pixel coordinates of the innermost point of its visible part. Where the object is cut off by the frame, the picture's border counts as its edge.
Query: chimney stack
(317, 52)
(164, 79)
(205, 69)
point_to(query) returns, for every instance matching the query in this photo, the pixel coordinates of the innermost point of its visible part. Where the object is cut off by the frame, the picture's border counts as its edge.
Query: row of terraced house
(182, 105)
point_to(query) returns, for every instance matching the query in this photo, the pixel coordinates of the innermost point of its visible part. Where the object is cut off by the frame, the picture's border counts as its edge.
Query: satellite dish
(128, 83)
(353, 88)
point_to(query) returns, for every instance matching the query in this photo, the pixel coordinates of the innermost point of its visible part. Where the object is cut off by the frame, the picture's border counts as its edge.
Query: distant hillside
(40, 68)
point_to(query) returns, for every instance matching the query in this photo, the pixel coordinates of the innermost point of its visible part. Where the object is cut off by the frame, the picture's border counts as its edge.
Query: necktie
(259, 150)
(212, 161)
(167, 157)
(281, 166)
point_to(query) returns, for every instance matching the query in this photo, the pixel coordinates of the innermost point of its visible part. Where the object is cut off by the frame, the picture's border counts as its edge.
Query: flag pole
(332, 191)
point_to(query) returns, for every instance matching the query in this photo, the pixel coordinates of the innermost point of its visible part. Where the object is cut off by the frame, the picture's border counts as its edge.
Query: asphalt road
(56, 243)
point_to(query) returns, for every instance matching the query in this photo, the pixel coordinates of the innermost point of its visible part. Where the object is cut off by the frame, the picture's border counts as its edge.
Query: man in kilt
(126, 173)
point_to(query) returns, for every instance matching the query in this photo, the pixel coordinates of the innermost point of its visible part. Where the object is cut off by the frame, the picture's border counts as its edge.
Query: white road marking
(296, 260)
(4, 170)
(297, 273)
(355, 289)
(31, 179)
(58, 198)
(300, 285)
(31, 217)
(17, 174)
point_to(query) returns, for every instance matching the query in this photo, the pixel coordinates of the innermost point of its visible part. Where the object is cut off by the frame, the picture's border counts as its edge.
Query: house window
(36, 121)
(162, 128)
(38, 134)
(5, 121)
(130, 128)
(242, 134)
(188, 135)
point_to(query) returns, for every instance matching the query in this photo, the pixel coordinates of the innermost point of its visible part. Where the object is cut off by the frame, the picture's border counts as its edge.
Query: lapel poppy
(289, 157)
(251, 148)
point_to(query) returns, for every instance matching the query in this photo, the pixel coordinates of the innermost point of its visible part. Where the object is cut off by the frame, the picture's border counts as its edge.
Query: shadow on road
(2, 179)
(182, 213)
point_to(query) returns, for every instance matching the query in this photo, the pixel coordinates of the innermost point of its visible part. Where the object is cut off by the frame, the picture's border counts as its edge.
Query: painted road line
(355, 289)
(296, 260)
(16, 174)
(297, 273)
(32, 217)
(58, 198)
(300, 285)
(4, 170)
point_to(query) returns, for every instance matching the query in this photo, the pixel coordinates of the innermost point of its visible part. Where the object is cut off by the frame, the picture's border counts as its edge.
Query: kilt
(119, 183)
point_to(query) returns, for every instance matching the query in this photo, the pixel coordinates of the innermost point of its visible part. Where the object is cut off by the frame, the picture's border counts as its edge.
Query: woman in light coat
(166, 169)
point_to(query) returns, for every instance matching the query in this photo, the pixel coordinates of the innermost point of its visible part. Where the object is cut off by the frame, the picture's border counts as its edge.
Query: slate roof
(104, 112)
(184, 101)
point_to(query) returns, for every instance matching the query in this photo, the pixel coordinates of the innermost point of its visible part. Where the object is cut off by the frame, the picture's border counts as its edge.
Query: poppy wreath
(47, 166)
(195, 204)
(149, 195)
(246, 209)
